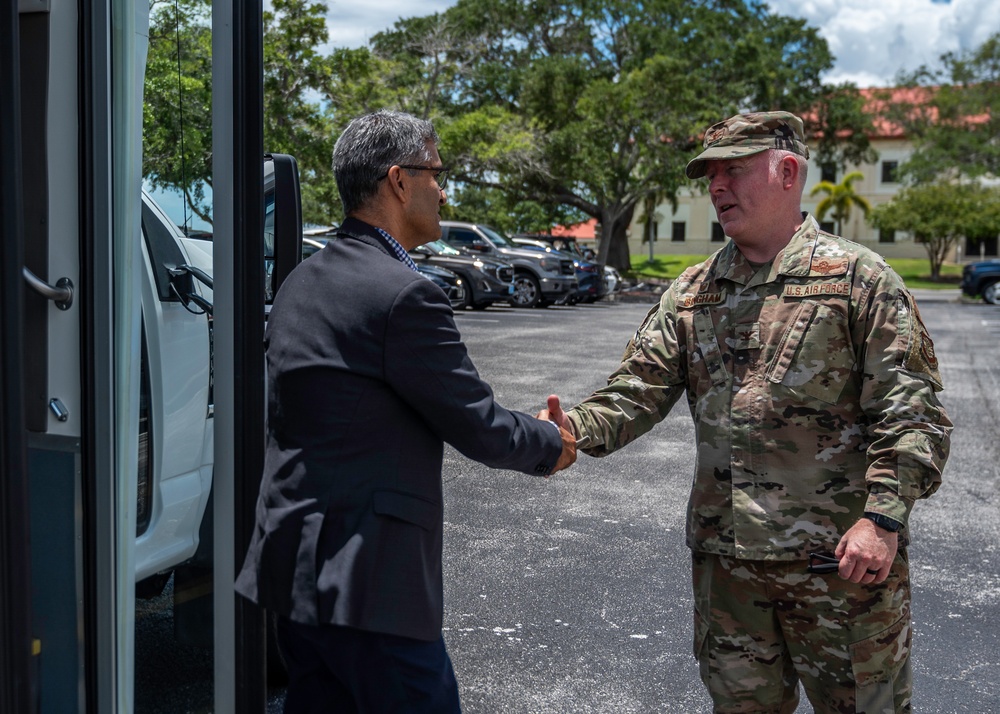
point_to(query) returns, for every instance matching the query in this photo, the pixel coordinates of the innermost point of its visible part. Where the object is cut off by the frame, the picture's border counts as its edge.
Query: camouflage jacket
(812, 383)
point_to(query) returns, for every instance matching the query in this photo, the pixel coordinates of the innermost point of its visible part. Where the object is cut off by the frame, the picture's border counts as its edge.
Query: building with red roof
(694, 229)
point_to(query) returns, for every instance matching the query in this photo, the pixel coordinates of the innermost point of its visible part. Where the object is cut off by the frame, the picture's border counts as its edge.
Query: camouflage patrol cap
(746, 134)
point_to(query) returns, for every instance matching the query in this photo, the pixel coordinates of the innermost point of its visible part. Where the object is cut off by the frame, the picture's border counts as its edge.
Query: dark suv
(539, 279)
(982, 279)
(592, 285)
(487, 280)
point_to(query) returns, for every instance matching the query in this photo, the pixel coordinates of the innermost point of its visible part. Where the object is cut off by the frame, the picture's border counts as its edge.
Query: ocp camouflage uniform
(812, 386)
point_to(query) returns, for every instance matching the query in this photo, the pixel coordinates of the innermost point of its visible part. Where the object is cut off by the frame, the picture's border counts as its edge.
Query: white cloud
(872, 40)
(352, 23)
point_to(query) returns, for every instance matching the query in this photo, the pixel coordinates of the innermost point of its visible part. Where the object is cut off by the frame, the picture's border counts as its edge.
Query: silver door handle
(61, 292)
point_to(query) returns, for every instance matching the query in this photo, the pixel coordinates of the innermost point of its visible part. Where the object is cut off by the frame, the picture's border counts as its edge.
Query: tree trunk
(613, 249)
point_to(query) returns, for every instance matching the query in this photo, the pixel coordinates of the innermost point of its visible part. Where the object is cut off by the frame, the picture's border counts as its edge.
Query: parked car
(614, 280)
(311, 246)
(539, 279)
(452, 284)
(447, 281)
(592, 285)
(982, 279)
(487, 280)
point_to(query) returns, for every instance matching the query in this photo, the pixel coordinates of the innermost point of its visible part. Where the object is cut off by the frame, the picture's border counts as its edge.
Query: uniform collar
(808, 253)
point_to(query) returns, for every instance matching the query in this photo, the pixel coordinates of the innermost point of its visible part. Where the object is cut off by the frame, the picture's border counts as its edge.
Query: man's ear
(789, 172)
(397, 186)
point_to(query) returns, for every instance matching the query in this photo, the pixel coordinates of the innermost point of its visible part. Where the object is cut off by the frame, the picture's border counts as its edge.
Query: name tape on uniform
(817, 289)
(700, 299)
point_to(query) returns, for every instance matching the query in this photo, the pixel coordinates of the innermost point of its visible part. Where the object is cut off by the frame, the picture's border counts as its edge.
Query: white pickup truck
(174, 477)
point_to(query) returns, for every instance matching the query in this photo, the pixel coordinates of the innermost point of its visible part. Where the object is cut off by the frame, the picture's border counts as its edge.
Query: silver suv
(540, 279)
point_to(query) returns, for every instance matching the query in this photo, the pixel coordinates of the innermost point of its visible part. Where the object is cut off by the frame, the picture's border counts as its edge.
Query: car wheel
(468, 301)
(991, 293)
(527, 291)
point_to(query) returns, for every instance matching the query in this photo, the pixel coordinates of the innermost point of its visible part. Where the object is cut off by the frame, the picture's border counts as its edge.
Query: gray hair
(370, 146)
(775, 157)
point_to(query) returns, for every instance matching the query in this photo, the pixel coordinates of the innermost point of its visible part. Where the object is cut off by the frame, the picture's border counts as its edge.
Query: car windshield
(497, 239)
(442, 248)
(570, 246)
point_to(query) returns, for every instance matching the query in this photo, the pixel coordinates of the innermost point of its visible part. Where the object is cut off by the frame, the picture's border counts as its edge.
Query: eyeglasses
(822, 563)
(440, 175)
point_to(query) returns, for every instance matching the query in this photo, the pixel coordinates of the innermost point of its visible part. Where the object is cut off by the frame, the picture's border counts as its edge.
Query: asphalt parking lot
(572, 594)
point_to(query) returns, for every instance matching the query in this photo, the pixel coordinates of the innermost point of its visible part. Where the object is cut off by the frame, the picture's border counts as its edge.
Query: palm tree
(840, 199)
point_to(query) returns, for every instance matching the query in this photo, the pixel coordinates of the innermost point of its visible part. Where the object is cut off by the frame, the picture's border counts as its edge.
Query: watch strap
(884, 522)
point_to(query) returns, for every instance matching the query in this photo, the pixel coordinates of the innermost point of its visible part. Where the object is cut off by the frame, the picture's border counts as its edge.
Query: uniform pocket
(708, 346)
(878, 659)
(815, 355)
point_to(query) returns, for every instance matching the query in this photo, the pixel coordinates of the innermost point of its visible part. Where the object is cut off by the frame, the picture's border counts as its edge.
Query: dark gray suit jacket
(367, 378)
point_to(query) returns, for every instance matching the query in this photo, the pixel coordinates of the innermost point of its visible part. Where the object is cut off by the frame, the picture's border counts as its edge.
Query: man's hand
(554, 413)
(557, 416)
(866, 552)
(568, 455)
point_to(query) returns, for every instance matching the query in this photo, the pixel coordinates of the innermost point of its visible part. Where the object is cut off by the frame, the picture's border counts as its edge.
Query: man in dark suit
(367, 378)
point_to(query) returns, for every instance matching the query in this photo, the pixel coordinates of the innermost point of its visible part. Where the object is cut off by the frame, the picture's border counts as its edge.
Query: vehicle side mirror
(282, 219)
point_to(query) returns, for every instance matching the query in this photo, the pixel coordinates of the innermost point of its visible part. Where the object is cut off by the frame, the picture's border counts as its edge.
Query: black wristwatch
(883, 522)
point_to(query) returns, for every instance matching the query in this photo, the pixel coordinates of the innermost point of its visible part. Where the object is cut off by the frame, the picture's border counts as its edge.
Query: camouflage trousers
(761, 627)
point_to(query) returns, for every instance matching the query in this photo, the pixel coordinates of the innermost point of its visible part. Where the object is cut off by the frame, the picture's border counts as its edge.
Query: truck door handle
(61, 292)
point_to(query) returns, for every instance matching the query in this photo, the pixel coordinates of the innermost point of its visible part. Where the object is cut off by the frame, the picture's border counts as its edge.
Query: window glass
(890, 169)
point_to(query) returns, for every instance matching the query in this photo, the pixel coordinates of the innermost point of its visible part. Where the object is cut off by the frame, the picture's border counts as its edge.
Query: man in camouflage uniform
(812, 383)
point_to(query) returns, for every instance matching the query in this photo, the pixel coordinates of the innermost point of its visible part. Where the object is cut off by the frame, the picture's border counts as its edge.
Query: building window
(827, 226)
(889, 171)
(718, 235)
(678, 232)
(886, 236)
(828, 172)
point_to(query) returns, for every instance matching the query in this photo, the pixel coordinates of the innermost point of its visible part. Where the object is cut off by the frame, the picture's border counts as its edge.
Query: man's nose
(443, 198)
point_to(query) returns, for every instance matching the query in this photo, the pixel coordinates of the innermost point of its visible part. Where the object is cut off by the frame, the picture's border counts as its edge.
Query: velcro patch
(748, 336)
(842, 288)
(829, 266)
(700, 299)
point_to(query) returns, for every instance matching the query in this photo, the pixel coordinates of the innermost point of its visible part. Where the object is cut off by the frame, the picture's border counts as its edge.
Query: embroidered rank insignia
(748, 336)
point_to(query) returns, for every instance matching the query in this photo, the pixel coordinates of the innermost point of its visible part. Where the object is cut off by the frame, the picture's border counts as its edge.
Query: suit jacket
(367, 377)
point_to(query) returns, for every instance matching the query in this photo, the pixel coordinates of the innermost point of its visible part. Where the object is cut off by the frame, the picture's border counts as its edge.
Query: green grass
(663, 267)
(914, 271)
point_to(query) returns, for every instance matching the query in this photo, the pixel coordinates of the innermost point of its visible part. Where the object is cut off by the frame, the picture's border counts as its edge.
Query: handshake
(554, 413)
